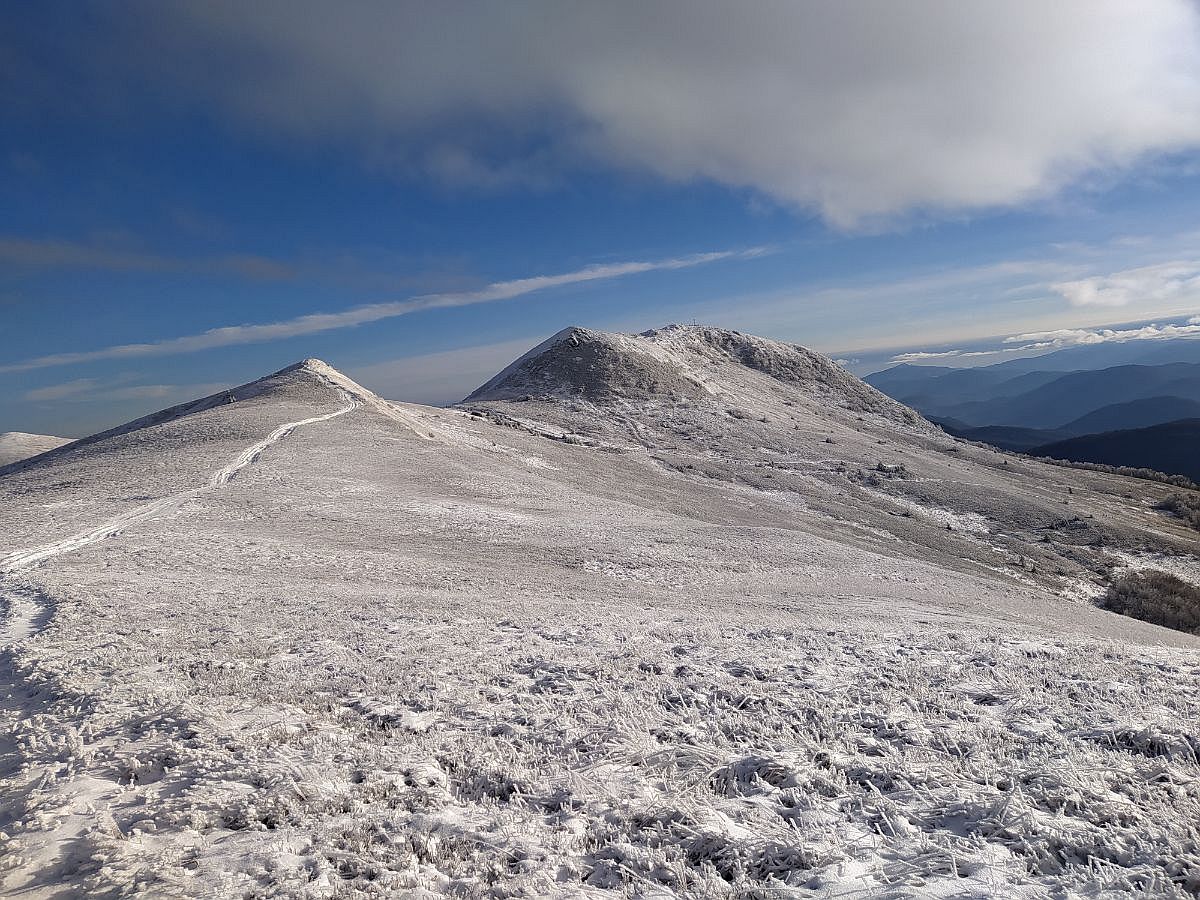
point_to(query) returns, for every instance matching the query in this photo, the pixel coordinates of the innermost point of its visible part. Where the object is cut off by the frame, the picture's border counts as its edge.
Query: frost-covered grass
(646, 756)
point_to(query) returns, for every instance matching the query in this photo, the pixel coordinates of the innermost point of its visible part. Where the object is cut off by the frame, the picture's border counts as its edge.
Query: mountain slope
(694, 614)
(1006, 437)
(297, 380)
(814, 435)
(1133, 414)
(1171, 447)
(18, 445)
(1114, 417)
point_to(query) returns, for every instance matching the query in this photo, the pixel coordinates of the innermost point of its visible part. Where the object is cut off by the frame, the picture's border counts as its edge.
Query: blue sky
(445, 186)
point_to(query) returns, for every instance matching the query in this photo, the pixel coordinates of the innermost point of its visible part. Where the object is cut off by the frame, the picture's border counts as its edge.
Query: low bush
(1181, 481)
(1186, 506)
(1156, 597)
(875, 477)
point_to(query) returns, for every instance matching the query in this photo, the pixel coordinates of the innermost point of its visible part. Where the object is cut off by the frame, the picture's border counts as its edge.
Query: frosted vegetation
(682, 614)
(1186, 506)
(1158, 597)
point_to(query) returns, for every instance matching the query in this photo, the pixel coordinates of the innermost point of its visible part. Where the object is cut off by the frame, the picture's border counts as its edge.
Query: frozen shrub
(1156, 597)
(1128, 471)
(881, 472)
(1186, 506)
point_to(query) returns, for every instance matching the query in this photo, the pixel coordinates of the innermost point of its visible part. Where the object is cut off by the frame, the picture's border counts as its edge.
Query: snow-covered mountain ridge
(680, 362)
(674, 614)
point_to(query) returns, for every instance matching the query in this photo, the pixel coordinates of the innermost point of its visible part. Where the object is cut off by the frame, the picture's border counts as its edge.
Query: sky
(194, 195)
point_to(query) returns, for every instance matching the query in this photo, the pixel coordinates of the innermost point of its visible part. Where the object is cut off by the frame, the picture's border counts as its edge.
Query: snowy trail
(26, 611)
(252, 453)
(20, 613)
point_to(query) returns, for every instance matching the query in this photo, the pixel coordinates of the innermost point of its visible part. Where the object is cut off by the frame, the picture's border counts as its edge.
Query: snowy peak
(594, 365)
(317, 371)
(311, 382)
(682, 362)
(311, 366)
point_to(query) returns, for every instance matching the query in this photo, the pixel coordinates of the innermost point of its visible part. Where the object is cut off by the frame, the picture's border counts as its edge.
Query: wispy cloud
(86, 390)
(66, 390)
(374, 312)
(1165, 282)
(367, 269)
(60, 254)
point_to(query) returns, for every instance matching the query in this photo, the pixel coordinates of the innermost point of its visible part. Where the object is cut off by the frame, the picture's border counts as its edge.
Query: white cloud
(1073, 337)
(360, 315)
(857, 110)
(1165, 282)
(918, 355)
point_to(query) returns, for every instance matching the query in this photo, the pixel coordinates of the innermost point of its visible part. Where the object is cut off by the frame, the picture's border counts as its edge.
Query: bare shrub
(1186, 506)
(1156, 597)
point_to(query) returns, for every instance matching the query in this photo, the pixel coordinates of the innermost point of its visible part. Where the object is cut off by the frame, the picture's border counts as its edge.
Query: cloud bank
(921, 355)
(360, 315)
(1074, 337)
(860, 111)
(1038, 342)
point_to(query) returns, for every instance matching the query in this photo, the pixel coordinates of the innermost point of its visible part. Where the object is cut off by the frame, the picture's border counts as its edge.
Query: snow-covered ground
(18, 445)
(308, 643)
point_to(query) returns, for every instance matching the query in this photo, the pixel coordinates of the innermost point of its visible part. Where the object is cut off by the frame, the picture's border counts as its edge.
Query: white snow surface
(308, 643)
(18, 445)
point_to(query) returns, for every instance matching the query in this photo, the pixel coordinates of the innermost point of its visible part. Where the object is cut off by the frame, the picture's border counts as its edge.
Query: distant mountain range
(1049, 405)
(1046, 399)
(1173, 447)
